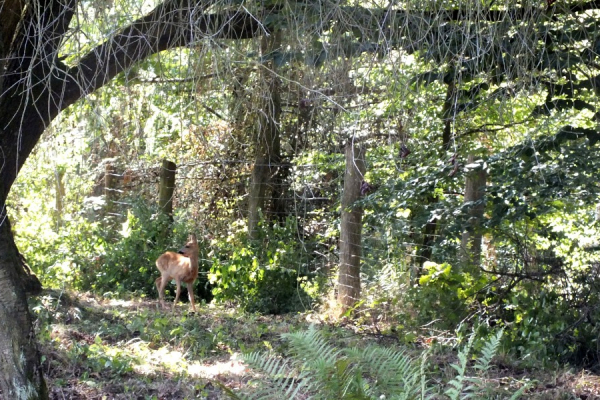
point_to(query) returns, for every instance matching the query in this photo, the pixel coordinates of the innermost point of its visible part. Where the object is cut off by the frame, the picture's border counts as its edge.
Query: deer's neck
(194, 262)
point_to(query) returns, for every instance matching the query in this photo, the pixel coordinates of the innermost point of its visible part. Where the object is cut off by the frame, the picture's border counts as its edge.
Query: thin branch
(487, 127)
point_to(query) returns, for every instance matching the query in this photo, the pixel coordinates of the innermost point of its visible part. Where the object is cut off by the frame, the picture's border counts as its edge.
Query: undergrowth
(95, 347)
(315, 368)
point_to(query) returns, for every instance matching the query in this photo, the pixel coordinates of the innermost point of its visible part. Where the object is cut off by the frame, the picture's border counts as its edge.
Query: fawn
(181, 267)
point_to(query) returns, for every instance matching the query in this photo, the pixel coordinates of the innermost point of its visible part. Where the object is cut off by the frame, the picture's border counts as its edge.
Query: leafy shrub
(317, 369)
(445, 293)
(321, 371)
(265, 275)
(92, 255)
(125, 262)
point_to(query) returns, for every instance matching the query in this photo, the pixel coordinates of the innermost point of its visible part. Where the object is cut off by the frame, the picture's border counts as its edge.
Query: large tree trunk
(35, 86)
(429, 233)
(351, 229)
(256, 193)
(20, 370)
(268, 147)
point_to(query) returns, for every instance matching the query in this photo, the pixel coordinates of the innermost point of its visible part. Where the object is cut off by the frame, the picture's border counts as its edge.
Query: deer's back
(177, 266)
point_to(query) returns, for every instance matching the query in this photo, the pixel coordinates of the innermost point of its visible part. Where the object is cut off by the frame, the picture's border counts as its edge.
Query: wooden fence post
(351, 229)
(167, 187)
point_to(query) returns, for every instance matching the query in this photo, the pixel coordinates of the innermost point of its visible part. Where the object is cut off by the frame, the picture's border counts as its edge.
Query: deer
(181, 267)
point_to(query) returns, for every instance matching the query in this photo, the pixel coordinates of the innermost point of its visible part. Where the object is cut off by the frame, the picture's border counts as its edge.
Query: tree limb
(171, 24)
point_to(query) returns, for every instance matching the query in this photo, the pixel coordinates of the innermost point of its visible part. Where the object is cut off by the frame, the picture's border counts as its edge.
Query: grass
(96, 348)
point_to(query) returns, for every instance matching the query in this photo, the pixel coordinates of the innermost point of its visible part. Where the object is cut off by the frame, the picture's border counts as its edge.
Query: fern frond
(392, 372)
(328, 369)
(425, 391)
(311, 345)
(284, 381)
(461, 367)
(272, 366)
(488, 352)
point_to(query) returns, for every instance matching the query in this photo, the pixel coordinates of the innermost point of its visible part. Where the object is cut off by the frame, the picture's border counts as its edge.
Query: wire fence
(421, 85)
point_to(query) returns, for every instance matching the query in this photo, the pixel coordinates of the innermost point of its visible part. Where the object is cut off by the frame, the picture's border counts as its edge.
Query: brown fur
(181, 267)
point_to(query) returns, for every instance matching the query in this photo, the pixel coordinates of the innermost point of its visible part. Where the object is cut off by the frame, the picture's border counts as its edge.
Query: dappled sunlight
(233, 367)
(394, 178)
(123, 345)
(123, 303)
(172, 361)
(178, 356)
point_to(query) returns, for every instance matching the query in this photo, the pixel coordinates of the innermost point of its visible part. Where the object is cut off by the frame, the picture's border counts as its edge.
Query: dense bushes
(265, 275)
(100, 257)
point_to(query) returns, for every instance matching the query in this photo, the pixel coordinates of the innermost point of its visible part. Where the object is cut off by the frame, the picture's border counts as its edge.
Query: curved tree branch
(49, 87)
(172, 24)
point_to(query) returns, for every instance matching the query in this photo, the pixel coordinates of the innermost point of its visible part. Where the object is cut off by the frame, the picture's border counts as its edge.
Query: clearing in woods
(95, 348)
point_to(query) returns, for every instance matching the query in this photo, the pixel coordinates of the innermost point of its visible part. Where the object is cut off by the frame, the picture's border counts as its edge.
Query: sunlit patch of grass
(100, 347)
(231, 367)
(110, 346)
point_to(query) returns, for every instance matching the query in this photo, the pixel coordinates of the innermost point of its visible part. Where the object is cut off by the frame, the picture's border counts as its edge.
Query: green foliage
(126, 260)
(457, 384)
(100, 357)
(317, 369)
(540, 245)
(89, 255)
(116, 348)
(129, 348)
(320, 370)
(464, 386)
(266, 275)
(537, 135)
(446, 291)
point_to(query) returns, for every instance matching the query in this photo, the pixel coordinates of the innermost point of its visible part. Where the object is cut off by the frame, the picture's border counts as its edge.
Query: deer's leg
(158, 283)
(190, 288)
(161, 284)
(178, 282)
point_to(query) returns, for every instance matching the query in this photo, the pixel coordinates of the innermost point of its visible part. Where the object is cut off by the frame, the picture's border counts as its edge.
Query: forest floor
(95, 348)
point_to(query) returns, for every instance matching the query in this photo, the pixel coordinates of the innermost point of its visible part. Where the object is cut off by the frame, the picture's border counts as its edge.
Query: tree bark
(167, 188)
(35, 86)
(268, 147)
(351, 229)
(20, 367)
(472, 236)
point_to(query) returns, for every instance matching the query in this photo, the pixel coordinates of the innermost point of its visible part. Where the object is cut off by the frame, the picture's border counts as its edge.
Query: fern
(286, 385)
(488, 352)
(316, 358)
(391, 371)
(424, 392)
(457, 384)
(464, 387)
(319, 370)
